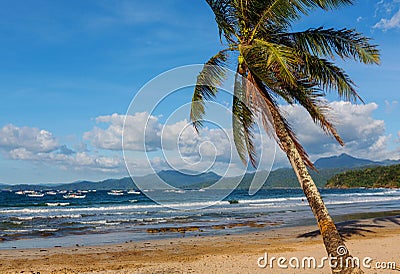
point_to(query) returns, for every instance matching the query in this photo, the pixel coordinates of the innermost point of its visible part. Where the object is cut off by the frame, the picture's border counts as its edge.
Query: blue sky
(68, 66)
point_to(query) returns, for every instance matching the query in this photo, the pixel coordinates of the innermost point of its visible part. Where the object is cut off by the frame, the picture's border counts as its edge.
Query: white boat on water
(115, 192)
(51, 192)
(20, 192)
(133, 192)
(175, 191)
(57, 204)
(74, 196)
(35, 194)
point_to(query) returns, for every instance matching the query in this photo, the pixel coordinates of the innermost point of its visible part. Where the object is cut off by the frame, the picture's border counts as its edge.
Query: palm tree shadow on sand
(357, 227)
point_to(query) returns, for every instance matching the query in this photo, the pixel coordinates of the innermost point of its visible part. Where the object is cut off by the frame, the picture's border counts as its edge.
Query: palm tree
(279, 64)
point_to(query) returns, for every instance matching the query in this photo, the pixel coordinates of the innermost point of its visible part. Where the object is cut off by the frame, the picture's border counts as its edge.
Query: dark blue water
(101, 218)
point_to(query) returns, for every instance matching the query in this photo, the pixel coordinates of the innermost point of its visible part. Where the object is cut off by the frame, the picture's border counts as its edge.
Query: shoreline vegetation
(373, 177)
(237, 253)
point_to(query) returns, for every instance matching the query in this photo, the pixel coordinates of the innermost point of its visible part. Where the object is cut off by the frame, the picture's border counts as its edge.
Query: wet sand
(378, 238)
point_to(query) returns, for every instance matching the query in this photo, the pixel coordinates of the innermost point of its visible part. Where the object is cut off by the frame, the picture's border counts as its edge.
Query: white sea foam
(67, 216)
(16, 230)
(48, 230)
(99, 222)
(363, 200)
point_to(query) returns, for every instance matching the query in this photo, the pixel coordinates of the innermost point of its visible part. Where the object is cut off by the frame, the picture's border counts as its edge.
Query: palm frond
(277, 12)
(212, 75)
(282, 12)
(326, 42)
(281, 126)
(295, 67)
(312, 99)
(332, 4)
(328, 77)
(267, 60)
(225, 16)
(242, 122)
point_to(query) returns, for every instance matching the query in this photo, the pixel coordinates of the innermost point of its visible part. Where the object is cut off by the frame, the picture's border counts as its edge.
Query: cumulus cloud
(32, 139)
(391, 23)
(363, 135)
(146, 132)
(78, 161)
(135, 139)
(389, 12)
(39, 145)
(182, 147)
(176, 145)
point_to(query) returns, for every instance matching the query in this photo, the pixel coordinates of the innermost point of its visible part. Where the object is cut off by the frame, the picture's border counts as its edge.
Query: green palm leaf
(225, 16)
(344, 43)
(212, 75)
(295, 67)
(242, 121)
(267, 60)
(279, 123)
(328, 77)
(312, 99)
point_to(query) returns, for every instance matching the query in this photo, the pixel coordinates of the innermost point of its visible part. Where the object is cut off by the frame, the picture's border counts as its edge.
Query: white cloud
(40, 146)
(182, 147)
(390, 106)
(177, 145)
(76, 161)
(111, 137)
(363, 135)
(32, 139)
(391, 23)
(146, 131)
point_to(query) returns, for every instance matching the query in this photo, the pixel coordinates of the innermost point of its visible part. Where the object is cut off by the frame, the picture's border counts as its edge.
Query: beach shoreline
(377, 238)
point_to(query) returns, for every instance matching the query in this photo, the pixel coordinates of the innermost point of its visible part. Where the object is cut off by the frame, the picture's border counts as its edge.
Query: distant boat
(51, 193)
(74, 196)
(20, 192)
(35, 194)
(62, 191)
(115, 192)
(57, 204)
(175, 190)
(133, 192)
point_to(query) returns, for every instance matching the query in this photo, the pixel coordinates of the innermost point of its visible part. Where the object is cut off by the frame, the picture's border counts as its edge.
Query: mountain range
(282, 177)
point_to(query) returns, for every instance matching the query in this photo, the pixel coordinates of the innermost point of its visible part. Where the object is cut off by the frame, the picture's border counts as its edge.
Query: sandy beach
(377, 238)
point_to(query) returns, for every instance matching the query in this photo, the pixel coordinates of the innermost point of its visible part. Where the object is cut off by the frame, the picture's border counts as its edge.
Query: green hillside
(381, 176)
(280, 178)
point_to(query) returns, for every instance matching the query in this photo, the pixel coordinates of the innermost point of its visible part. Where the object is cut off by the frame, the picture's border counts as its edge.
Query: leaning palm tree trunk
(332, 240)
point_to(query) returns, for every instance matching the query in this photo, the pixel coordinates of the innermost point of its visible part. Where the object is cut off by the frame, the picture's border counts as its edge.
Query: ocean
(101, 218)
